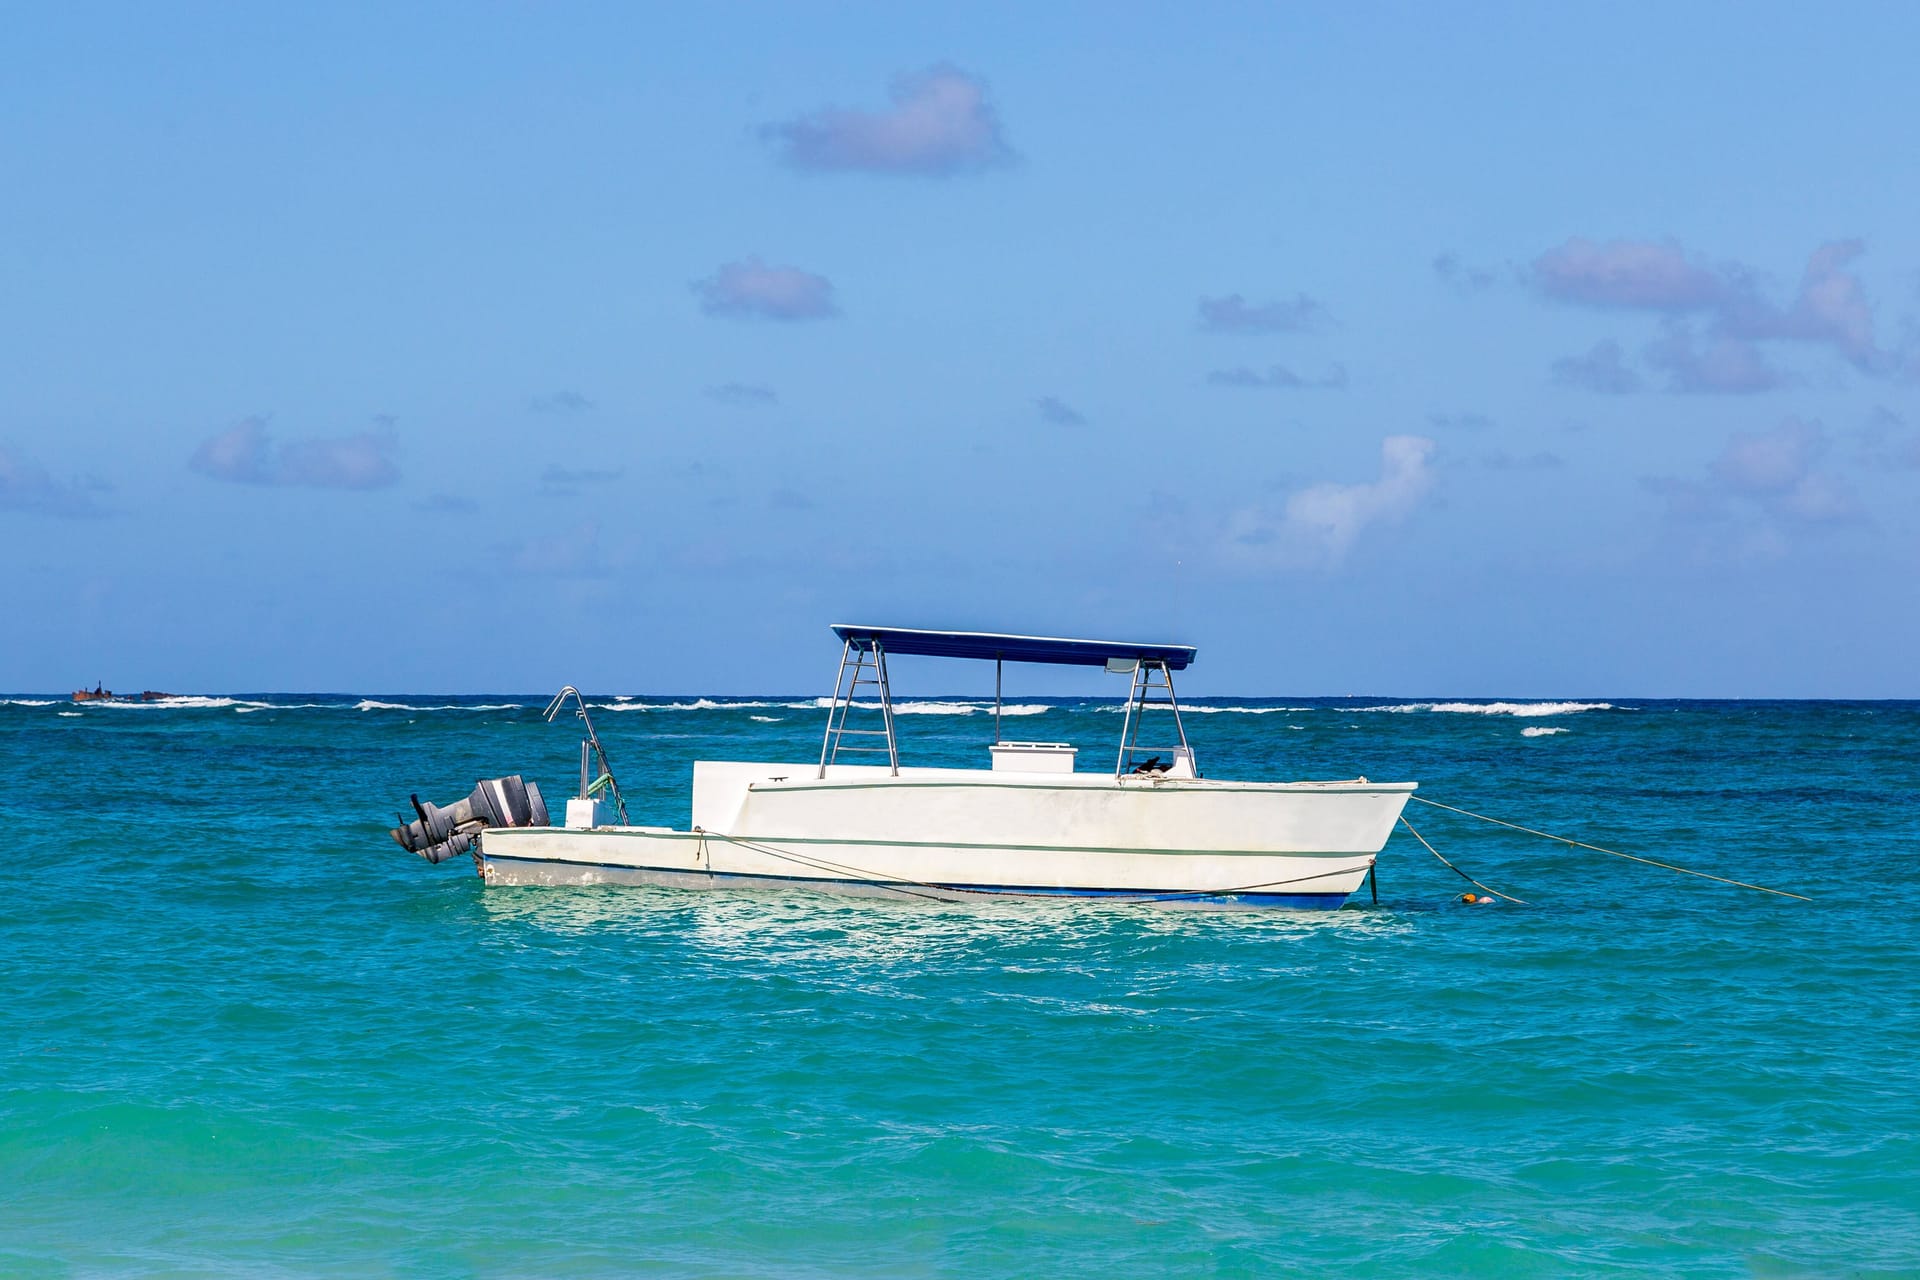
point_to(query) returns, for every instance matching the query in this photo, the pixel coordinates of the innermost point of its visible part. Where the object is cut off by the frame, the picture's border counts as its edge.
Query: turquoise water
(244, 1033)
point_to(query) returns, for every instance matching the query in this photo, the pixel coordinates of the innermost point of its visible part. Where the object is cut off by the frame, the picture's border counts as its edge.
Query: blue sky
(1496, 350)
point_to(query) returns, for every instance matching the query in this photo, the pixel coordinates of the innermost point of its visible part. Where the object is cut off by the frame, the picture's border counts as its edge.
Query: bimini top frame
(909, 642)
(863, 662)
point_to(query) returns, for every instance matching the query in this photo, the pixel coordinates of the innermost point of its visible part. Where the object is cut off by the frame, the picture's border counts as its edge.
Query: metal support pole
(998, 662)
(1133, 694)
(826, 738)
(1166, 673)
(886, 706)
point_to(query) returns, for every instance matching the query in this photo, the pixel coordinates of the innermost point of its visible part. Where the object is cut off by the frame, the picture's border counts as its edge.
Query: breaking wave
(906, 707)
(698, 704)
(1196, 709)
(910, 707)
(186, 701)
(966, 708)
(1540, 730)
(1238, 711)
(937, 708)
(373, 704)
(1496, 708)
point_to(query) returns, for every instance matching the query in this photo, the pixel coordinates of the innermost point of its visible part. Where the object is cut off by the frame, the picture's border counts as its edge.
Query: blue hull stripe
(1297, 901)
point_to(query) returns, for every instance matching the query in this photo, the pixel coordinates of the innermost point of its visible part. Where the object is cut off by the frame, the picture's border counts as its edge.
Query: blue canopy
(987, 644)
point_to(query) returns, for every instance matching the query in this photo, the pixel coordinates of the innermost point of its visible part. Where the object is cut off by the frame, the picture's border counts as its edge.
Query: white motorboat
(1031, 824)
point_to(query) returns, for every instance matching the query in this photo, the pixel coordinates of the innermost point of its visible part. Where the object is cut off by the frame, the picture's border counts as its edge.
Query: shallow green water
(244, 1033)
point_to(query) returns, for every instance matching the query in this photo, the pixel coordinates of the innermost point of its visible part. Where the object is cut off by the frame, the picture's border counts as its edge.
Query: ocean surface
(243, 1033)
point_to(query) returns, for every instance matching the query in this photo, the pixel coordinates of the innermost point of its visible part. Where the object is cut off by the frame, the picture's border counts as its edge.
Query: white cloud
(1335, 514)
(1724, 365)
(1885, 443)
(940, 123)
(1459, 421)
(1603, 369)
(1779, 469)
(743, 393)
(752, 288)
(1320, 524)
(1234, 314)
(1542, 460)
(1829, 309)
(1633, 274)
(27, 486)
(1770, 483)
(564, 482)
(1058, 412)
(560, 402)
(1769, 462)
(1463, 277)
(1279, 378)
(246, 453)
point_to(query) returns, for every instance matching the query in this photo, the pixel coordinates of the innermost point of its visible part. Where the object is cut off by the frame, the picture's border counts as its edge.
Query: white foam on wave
(938, 708)
(1541, 730)
(26, 702)
(698, 704)
(766, 719)
(1495, 708)
(248, 708)
(1237, 711)
(64, 713)
(373, 704)
(192, 701)
(1198, 709)
(967, 708)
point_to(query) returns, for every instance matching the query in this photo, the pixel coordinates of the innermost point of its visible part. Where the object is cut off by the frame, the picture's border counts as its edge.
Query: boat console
(1033, 757)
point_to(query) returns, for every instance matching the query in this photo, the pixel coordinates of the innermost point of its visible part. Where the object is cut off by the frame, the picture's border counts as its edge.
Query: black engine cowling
(438, 834)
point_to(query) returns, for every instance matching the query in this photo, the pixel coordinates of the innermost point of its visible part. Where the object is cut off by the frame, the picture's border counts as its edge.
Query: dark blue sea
(243, 1033)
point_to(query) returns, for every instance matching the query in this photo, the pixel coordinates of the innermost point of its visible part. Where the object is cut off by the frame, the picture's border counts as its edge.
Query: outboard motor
(439, 834)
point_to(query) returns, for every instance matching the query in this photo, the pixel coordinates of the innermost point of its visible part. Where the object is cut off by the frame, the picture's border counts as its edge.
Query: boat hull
(509, 870)
(956, 835)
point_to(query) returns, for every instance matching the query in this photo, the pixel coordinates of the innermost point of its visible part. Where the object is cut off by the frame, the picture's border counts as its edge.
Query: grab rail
(606, 780)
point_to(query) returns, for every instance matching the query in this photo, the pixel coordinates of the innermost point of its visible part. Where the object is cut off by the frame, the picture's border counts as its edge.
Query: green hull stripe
(776, 841)
(1171, 786)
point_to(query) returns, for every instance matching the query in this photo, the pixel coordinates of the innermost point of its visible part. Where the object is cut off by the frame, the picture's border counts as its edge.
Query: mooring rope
(1457, 871)
(823, 865)
(896, 883)
(1581, 844)
(1188, 895)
